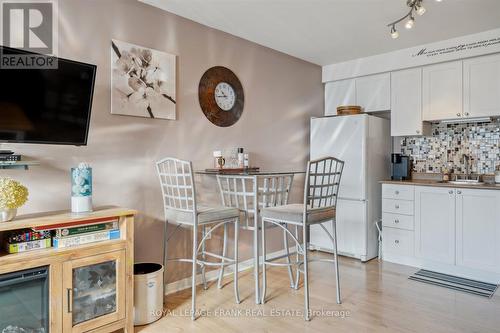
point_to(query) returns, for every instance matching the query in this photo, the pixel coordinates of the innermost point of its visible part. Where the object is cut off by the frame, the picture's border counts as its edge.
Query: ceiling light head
(439, 0)
(410, 23)
(394, 32)
(420, 10)
(415, 6)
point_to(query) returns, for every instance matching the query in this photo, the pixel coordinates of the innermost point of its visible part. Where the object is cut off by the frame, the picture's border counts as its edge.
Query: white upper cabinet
(339, 93)
(373, 93)
(482, 86)
(406, 103)
(478, 229)
(418, 96)
(435, 224)
(442, 91)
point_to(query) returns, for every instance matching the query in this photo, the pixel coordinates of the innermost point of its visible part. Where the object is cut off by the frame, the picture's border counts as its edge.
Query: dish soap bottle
(446, 174)
(497, 174)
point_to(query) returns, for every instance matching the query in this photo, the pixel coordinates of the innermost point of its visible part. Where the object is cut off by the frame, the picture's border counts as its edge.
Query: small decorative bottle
(241, 158)
(81, 188)
(246, 161)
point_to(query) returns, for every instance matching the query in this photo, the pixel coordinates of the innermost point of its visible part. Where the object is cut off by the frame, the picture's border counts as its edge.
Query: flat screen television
(50, 106)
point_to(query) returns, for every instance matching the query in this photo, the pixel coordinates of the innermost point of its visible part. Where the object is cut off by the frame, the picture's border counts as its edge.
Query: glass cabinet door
(95, 291)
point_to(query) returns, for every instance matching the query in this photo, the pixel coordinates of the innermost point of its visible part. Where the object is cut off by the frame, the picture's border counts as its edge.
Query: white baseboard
(185, 283)
(340, 253)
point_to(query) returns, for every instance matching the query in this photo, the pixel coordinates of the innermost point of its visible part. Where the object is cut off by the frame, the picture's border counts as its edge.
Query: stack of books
(65, 236)
(84, 234)
(27, 239)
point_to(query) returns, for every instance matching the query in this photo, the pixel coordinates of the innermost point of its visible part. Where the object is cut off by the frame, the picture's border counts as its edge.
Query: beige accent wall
(281, 94)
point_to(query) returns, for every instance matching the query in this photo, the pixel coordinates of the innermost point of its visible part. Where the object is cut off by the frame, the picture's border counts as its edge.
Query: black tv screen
(50, 106)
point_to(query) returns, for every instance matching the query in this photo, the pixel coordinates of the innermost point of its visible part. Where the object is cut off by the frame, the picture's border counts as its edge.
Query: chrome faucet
(466, 161)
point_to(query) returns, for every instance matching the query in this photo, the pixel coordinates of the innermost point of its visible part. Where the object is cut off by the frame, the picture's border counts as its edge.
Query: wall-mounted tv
(50, 106)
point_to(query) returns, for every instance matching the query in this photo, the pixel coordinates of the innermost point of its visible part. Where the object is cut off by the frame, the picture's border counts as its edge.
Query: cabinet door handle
(69, 296)
(396, 241)
(458, 114)
(396, 221)
(417, 131)
(450, 191)
(466, 114)
(459, 192)
(397, 192)
(397, 206)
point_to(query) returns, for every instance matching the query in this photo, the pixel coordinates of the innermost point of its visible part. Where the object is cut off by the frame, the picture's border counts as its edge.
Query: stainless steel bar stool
(179, 200)
(320, 201)
(250, 194)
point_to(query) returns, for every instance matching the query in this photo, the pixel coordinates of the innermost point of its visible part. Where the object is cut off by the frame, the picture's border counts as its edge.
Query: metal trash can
(148, 293)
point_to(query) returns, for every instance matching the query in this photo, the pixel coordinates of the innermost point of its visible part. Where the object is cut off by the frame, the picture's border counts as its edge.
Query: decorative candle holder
(81, 188)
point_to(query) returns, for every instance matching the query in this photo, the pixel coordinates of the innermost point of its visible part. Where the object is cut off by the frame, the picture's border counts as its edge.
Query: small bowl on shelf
(345, 110)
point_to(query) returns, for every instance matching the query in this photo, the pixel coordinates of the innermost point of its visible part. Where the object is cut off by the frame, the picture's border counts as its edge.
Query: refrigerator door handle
(353, 199)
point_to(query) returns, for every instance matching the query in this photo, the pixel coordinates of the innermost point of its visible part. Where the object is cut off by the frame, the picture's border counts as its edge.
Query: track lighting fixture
(421, 10)
(410, 23)
(415, 7)
(394, 32)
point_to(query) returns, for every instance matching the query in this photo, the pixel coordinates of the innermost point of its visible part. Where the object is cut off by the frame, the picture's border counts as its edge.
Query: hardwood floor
(377, 297)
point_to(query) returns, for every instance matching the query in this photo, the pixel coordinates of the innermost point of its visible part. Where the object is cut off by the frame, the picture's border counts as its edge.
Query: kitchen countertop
(437, 183)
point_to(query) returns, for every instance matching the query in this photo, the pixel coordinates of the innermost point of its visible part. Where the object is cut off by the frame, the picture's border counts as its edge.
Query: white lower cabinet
(390, 220)
(397, 220)
(478, 229)
(435, 224)
(398, 242)
(397, 206)
(453, 230)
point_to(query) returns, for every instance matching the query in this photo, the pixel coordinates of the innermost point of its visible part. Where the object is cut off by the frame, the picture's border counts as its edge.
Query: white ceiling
(331, 31)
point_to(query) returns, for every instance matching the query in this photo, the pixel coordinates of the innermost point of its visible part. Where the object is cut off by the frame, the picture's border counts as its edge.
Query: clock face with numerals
(225, 96)
(221, 96)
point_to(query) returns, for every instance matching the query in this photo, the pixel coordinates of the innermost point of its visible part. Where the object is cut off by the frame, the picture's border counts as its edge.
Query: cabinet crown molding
(468, 46)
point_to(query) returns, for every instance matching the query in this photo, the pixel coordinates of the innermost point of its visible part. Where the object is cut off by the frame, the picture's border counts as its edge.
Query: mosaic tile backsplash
(449, 142)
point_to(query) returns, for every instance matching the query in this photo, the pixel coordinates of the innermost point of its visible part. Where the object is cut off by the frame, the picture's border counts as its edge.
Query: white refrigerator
(363, 142)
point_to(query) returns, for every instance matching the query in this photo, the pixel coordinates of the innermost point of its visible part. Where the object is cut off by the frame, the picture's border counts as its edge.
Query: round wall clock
(221, 96)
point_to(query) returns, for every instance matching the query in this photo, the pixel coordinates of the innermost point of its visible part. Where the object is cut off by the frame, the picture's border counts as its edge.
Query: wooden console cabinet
(116, 256)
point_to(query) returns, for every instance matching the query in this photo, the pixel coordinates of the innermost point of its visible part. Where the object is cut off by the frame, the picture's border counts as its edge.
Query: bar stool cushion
(293, 213)
(205, 214)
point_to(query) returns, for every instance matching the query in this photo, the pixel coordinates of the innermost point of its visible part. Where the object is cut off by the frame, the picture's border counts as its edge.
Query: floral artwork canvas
(142, 81)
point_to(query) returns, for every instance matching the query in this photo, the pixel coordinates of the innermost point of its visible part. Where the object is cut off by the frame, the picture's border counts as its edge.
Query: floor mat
(456, 283)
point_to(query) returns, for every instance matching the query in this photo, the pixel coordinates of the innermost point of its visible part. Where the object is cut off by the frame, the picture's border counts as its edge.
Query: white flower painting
(142, 81)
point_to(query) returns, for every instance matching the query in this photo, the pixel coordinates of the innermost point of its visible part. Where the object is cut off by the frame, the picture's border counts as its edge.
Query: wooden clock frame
(206, 95)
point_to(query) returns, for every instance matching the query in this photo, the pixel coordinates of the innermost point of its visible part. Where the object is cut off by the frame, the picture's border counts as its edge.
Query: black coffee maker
(401, 167)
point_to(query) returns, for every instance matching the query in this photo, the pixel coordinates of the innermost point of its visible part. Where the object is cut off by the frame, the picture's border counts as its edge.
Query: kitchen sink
(465, 182)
